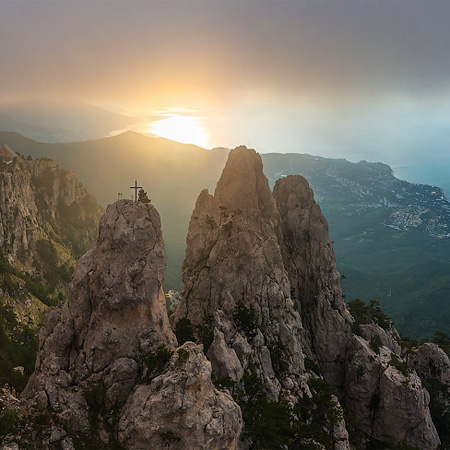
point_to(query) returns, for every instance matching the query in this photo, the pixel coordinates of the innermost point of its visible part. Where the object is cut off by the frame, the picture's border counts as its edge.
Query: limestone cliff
(234, 273)
(260, 273)
(40, 200)
(47, 220)
(103, 360)
(370, 382)
(237, 283)
(314, 280)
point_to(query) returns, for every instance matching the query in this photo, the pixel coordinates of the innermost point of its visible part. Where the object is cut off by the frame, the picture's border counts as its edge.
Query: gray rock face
(389, 405)
(116, 306)
(234, 265)
(272, 255)
(39, 198)
(235, 275)
(432, 363)
(387, 399)
(47, 220)
(315, 282)
(403, 413)
(116, 300)
(181, 409)
(388, 338)
(95, 351)
(224, 359)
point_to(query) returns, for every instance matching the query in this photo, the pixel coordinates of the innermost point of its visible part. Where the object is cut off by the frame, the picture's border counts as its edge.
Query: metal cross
(135, 187)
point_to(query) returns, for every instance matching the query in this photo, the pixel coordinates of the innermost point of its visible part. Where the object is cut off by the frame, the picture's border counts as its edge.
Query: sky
(362, 79)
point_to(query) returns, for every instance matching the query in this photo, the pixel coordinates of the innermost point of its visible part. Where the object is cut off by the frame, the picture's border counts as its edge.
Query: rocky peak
(116, 306)
(307, 246)
(260, 274)
(115, 314)
(116, 297)
(430, 361)
(112, 339)
(244, 187)
(315, 283)
(234, 277)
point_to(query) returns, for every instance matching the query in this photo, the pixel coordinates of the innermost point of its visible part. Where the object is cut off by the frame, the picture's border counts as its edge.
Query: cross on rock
(135, 187)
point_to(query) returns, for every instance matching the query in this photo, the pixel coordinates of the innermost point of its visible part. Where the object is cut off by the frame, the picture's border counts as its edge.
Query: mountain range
(391, 237)
(261, 351)
(62, 122)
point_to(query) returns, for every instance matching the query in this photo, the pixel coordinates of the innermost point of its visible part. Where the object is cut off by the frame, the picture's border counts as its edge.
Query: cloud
(211, 50)
(356, 79)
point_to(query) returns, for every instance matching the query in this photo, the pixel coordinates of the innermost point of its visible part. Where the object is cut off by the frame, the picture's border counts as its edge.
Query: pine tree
(143, 197)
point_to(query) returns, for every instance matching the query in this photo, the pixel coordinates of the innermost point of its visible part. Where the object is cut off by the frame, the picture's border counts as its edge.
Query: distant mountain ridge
(57, 122)
(391, 237)
(373, 186)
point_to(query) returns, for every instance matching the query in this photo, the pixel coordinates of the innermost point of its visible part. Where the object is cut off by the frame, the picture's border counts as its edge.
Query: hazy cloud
(357, 79)
(135, 48)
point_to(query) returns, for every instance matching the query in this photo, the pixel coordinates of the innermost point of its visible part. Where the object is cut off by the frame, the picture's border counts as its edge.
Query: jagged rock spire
(315, 283)
(99, 352)
(270, 255)
(234, 264)
(115, 304)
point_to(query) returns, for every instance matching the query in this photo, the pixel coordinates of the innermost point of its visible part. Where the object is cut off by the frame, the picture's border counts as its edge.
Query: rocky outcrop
(41, 200)
(260, 272)
(47, 221)
(315, 282)
(387, 399)
(387, 337)
(234, 278)
(181, 408)
(116, 307)
(95, 350)
(431, 362)
(237, 282)
(374, 390)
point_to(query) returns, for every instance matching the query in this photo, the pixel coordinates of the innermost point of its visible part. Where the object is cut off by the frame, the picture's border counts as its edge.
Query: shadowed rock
(315, 283)
(234, 266)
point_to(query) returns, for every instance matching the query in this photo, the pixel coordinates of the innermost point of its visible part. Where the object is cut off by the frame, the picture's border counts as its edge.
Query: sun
(185, 129)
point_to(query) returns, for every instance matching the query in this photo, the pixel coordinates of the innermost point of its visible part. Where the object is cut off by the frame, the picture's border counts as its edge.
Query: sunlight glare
(185, 129)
